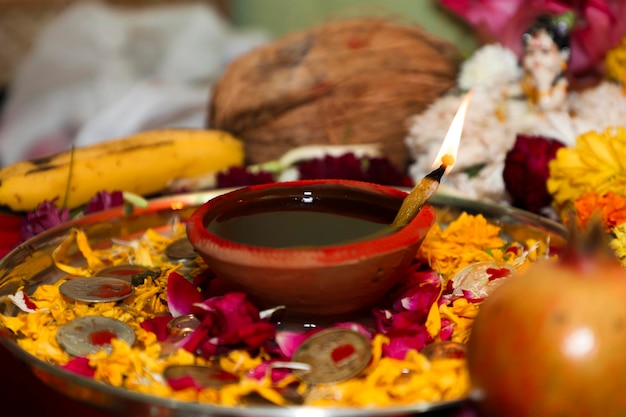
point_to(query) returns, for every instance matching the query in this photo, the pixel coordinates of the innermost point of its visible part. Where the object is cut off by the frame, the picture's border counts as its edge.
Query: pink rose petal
(181, 294)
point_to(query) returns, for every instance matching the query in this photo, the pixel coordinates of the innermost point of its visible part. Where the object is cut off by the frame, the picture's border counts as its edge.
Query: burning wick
(446, 157)
(420, 194)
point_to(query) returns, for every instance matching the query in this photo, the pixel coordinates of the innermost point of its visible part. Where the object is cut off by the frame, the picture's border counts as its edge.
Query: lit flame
(450, 146)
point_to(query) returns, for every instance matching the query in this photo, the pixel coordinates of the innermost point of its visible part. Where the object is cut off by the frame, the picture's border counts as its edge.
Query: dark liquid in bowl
(288, 221)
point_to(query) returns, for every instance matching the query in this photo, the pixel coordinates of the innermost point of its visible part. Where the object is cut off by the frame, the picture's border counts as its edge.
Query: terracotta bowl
(336, 274)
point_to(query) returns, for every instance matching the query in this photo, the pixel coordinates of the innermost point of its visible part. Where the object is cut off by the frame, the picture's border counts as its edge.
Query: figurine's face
(542, 54)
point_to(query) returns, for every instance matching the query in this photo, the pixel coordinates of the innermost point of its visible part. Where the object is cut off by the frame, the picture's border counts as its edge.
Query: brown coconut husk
(345, 82)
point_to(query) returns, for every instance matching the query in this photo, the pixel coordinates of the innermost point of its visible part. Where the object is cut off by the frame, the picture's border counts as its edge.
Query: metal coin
(183, 325)
(97, 289)
(124, 271)
(334, 354)
(89, 334)
(444, 350)
(181, 249)
(204, 376)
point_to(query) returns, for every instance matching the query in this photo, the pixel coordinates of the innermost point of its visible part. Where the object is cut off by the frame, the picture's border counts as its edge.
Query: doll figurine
(545, 59)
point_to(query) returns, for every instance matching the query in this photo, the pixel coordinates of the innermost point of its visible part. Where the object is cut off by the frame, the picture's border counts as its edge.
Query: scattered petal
(181, 294)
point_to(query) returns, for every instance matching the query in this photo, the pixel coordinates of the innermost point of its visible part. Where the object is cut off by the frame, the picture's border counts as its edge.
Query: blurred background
(21, 21)
(75, 72)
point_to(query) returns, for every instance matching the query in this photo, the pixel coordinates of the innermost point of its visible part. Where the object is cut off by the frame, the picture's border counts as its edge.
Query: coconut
(350, 81)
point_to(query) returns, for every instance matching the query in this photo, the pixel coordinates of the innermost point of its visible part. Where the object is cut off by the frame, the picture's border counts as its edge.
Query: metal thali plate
(30, 265)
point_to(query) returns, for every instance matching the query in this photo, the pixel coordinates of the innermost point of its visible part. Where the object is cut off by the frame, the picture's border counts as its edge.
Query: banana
(142, 163)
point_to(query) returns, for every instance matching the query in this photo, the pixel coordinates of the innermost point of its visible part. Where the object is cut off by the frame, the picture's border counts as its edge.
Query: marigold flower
(610, 206)
(618, 244)
(417, 312)
(450, 249)
(616, 63)
(594, 165)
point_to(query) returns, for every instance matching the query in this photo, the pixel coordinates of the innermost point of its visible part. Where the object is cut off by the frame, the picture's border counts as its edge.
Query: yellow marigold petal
(594, 164)
(433, 321)
(64, 250)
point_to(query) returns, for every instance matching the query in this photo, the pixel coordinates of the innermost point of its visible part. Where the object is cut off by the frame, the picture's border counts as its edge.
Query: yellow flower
(394, 382)
(595, 164)
(462, 313)
(448, 250)
(618, 244)
(615, 61)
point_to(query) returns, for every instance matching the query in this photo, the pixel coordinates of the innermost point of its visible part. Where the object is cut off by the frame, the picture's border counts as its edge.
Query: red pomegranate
(551, 341)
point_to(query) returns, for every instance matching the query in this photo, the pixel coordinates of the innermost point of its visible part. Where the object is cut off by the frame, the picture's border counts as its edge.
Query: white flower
(485, 141)
(492, 64)
(490, 128)
(598, 108)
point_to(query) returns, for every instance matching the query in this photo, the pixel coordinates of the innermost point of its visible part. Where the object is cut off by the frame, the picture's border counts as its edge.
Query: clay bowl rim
(299, 258)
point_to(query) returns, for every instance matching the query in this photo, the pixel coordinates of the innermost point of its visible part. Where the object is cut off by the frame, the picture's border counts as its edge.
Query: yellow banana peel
(143, 163)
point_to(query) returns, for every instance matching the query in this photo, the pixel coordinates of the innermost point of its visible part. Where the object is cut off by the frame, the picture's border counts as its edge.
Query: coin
(123, 271)
(444, 350)
(334, 354)
(89, 334)
(181, 249)
(96, 289)
(204, 376)
(182, 326)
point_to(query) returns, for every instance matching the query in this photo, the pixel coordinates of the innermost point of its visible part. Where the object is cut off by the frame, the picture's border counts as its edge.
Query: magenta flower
(104, 200)
(526, 171)
(402, 341)
(447, 327)
(184, 382)
(349, 167)
(239, 176)
(288, 341)
(275, 373)
(406, 330)
(600, 25)
(227, 322)
(405, 322)
(44, 217)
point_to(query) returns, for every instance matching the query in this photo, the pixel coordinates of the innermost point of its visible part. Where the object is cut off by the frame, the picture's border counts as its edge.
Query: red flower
(526, 171)
(600, 25)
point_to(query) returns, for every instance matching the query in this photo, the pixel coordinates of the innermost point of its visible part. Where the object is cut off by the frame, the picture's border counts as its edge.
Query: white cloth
(98, 72)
